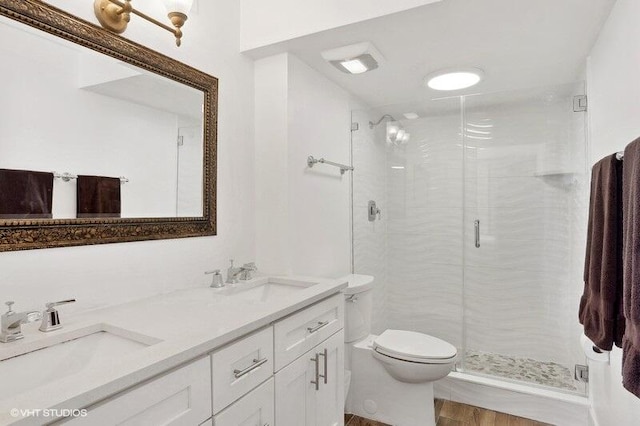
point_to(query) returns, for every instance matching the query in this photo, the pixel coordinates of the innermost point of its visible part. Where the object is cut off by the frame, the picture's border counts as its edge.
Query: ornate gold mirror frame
(24, 234)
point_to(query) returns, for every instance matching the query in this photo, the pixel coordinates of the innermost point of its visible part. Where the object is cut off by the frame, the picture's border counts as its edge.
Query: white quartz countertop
(186, 325)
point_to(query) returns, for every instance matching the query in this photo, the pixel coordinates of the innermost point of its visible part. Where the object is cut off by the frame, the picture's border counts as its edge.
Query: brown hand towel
(601, 304)
(98, 196)
(25, 194)
(631, 262)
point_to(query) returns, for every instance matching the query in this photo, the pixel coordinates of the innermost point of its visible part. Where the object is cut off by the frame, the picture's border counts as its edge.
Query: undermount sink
(33, 364)
(266, 289)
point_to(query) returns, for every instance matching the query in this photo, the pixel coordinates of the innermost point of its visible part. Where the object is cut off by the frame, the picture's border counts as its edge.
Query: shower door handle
(476, 225)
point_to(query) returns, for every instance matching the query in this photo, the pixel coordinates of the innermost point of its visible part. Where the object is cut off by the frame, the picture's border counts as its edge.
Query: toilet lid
(412, 346)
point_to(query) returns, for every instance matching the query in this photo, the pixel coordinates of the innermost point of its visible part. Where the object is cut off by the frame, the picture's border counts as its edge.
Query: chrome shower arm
(372, 124)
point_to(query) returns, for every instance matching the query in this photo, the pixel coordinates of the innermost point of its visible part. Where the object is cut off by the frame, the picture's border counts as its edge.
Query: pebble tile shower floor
(524, 369)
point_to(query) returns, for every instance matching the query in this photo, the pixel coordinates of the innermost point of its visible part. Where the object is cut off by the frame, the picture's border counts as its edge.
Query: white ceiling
(518, 43)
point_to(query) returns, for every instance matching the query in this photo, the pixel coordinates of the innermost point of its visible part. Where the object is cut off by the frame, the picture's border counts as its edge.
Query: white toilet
(392, 374)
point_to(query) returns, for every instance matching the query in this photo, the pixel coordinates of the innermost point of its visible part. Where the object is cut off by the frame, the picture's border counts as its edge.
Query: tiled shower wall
(523, 176)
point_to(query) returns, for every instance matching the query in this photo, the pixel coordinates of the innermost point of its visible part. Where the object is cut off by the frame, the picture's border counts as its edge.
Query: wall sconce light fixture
(114, 15)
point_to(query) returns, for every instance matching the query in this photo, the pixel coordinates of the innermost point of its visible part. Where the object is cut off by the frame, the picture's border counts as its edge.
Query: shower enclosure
(480, 237)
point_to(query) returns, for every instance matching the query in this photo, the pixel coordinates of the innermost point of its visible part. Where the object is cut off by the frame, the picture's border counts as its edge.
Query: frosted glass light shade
(454, 79)
(180, 6)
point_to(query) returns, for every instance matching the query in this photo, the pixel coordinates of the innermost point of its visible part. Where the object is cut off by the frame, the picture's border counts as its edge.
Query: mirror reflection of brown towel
(25, 194)
(98, 196)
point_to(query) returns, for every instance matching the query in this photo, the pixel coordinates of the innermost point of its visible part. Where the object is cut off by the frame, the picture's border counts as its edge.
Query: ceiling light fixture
(114, 15)
(355, 58)
(411, 115)
(454, 79)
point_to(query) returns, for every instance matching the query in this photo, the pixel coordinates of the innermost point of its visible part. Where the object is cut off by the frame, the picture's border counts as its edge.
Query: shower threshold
(548, 374)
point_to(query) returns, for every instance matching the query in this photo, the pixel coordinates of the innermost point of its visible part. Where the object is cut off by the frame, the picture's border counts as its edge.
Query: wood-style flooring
(449, 413)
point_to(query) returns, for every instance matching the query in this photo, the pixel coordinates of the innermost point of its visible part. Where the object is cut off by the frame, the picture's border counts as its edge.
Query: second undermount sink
(28, 366)
(266, 289)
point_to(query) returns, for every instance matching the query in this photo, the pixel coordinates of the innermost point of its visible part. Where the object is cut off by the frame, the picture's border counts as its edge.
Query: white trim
(538, 404)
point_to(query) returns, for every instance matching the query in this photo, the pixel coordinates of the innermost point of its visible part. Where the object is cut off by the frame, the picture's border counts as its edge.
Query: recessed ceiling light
(454, 79)
(411, 115)
(355, 58)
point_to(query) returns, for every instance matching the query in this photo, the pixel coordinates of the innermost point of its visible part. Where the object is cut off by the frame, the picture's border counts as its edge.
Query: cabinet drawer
(303, 330)
(256, 408)
(240, 367)
(182, 397)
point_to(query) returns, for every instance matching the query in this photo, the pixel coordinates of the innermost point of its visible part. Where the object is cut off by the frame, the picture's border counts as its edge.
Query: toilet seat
(414, 347)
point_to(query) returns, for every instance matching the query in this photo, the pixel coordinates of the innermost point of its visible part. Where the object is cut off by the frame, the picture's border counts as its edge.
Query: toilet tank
(358, 306)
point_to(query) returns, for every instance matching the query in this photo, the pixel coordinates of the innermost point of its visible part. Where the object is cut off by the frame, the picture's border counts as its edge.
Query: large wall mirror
(101, 140)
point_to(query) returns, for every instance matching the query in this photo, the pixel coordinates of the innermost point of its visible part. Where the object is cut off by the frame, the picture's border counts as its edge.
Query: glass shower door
(524, 225)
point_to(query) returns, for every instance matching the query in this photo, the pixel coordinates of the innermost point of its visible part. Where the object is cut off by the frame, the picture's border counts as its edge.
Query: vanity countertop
(187, 324)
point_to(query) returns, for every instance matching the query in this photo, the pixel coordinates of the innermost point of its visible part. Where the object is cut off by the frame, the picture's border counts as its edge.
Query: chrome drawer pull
(324, 356)
(256, 363)
(317, 327)
(316, 382)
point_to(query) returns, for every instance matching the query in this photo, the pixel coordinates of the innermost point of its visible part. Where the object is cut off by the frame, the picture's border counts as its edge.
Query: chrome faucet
(50, 317)
(11, 323)
(245, 272)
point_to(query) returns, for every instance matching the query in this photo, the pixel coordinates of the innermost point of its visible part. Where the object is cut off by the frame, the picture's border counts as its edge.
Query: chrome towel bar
(68, 176)
(311, 161)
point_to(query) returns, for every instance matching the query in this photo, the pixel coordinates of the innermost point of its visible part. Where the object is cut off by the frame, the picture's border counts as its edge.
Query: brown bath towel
(25, 194)
(601, 304)
(631, 261)
(98, 196)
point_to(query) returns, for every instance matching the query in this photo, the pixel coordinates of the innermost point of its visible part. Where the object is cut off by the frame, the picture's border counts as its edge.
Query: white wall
(113, 273)
(269, 22)
(303, 224)
(614, 93)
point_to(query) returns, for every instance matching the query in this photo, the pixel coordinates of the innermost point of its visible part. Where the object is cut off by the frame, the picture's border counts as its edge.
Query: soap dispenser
(217, 279)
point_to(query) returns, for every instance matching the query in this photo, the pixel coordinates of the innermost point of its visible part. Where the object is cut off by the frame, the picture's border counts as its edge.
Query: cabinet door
(182, 397)
(295, 394)
(330, 397)
(253, 409)
(299, 401)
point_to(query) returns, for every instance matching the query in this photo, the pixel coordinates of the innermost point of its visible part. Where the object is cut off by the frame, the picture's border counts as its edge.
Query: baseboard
(542, 405)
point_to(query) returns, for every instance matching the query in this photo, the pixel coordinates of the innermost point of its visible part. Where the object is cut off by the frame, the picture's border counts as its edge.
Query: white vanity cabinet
(181, 397)
(289, 373)
(310, 389)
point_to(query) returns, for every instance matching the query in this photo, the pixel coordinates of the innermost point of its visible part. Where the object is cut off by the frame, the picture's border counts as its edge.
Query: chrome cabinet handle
(326, 363)
(256, 363)
(316, 360)
(476, 224)
(317, 327)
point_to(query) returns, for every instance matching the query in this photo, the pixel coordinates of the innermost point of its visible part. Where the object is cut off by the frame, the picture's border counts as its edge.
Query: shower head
(396, 134)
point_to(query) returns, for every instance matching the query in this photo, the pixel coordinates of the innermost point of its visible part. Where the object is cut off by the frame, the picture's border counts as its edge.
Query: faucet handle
(217, 278)
(62, 302)
(51, 318)
(250, 266)
(10, 306)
